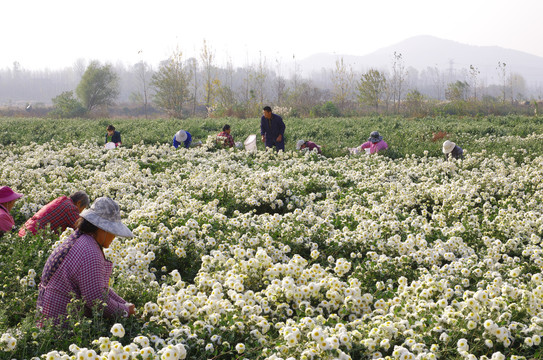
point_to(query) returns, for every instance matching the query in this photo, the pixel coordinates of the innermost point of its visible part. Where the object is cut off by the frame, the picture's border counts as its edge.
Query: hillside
(424, 51)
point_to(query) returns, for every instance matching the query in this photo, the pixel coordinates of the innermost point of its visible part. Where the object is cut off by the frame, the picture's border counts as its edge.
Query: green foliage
(66, 106)
(415, 103)
(19, 280)
(371, 87)
(458, 91)
(328, 109)
(99, 86)
(404, 137)
(171, 84)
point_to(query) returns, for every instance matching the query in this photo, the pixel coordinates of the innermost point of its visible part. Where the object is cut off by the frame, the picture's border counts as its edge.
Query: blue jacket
(116, 138)
(186, 143)
(272, 128)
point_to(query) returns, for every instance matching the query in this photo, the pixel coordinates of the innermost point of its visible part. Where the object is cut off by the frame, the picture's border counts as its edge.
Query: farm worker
(309, 145)
(113, 136)
(224, 138)
(182, 136)
(375, 143)
(455, 151)
(272, 129)
(59, 214)
(79, 269)
(7, 201)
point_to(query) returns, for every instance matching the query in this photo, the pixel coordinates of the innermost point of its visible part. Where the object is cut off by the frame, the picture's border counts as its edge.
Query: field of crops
(290, 256)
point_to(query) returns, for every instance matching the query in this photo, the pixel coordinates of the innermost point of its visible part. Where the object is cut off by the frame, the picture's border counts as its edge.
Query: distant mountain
(424, 51)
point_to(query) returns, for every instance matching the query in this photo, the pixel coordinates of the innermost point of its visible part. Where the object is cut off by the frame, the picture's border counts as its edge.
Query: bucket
(110, 145)
(367, 150)
(250, 143)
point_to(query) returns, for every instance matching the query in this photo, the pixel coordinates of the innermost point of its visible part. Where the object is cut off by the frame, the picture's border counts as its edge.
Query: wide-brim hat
(448, 146)
(299, 144)
(375, 137)
(181, 136)
(6, 194)
(106, 215)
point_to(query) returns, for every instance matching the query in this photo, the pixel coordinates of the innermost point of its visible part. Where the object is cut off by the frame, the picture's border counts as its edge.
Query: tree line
(184, 87)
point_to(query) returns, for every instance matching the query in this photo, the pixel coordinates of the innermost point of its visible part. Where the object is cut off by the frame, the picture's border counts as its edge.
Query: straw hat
(6, 194)
(299, 144)
(375, 137)
(106, 215)
(448, 146)
(181, 136)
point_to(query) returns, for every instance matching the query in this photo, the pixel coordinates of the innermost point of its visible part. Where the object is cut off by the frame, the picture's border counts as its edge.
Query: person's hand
(279, 138)
(263, 138)
(131, 309)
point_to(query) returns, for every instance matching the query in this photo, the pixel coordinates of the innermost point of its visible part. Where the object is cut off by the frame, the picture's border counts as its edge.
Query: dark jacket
(116, 138)
(272, 128)
(456, 153)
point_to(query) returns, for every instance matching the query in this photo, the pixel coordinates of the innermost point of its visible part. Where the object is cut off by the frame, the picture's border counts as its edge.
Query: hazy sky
(52, 34)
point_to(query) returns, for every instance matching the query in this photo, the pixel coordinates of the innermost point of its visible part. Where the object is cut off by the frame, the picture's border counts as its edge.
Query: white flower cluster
(313, 258)
(7, 342)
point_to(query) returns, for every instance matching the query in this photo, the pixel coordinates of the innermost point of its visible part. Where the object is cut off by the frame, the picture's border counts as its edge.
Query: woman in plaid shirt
(59, 214)
(78, 268)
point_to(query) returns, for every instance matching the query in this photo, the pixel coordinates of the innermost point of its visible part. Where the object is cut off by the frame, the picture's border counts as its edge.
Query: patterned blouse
(78, 269)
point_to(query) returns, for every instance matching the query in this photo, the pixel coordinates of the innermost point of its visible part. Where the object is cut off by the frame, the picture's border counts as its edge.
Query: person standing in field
(309, 145)
(113, 136)
(224, 138)
(272, 129)
(7, 201)
(59, 214)
(451, 150)
(375, 143)
(182, 137)
(79, 269)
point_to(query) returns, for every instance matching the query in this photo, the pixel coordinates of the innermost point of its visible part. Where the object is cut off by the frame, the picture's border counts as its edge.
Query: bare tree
(143, 73)
(295, 75)
(260, 79)
(342, 80)
(193, 66)
(398, 78)
(473, 73)
(208, 57)
(518, 85)
(502, 73)
(280, 84)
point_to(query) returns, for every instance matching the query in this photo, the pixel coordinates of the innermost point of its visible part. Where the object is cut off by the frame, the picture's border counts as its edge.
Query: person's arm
(382, 145)
(175, 143)
(117, 138)
(366, 145)
(282, 126)
(263, 128)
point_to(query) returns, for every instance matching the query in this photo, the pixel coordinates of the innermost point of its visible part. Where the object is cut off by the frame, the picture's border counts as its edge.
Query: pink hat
(6, 194)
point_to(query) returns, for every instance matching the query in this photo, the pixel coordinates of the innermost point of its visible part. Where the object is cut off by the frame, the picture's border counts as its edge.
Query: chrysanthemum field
(290, 256)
